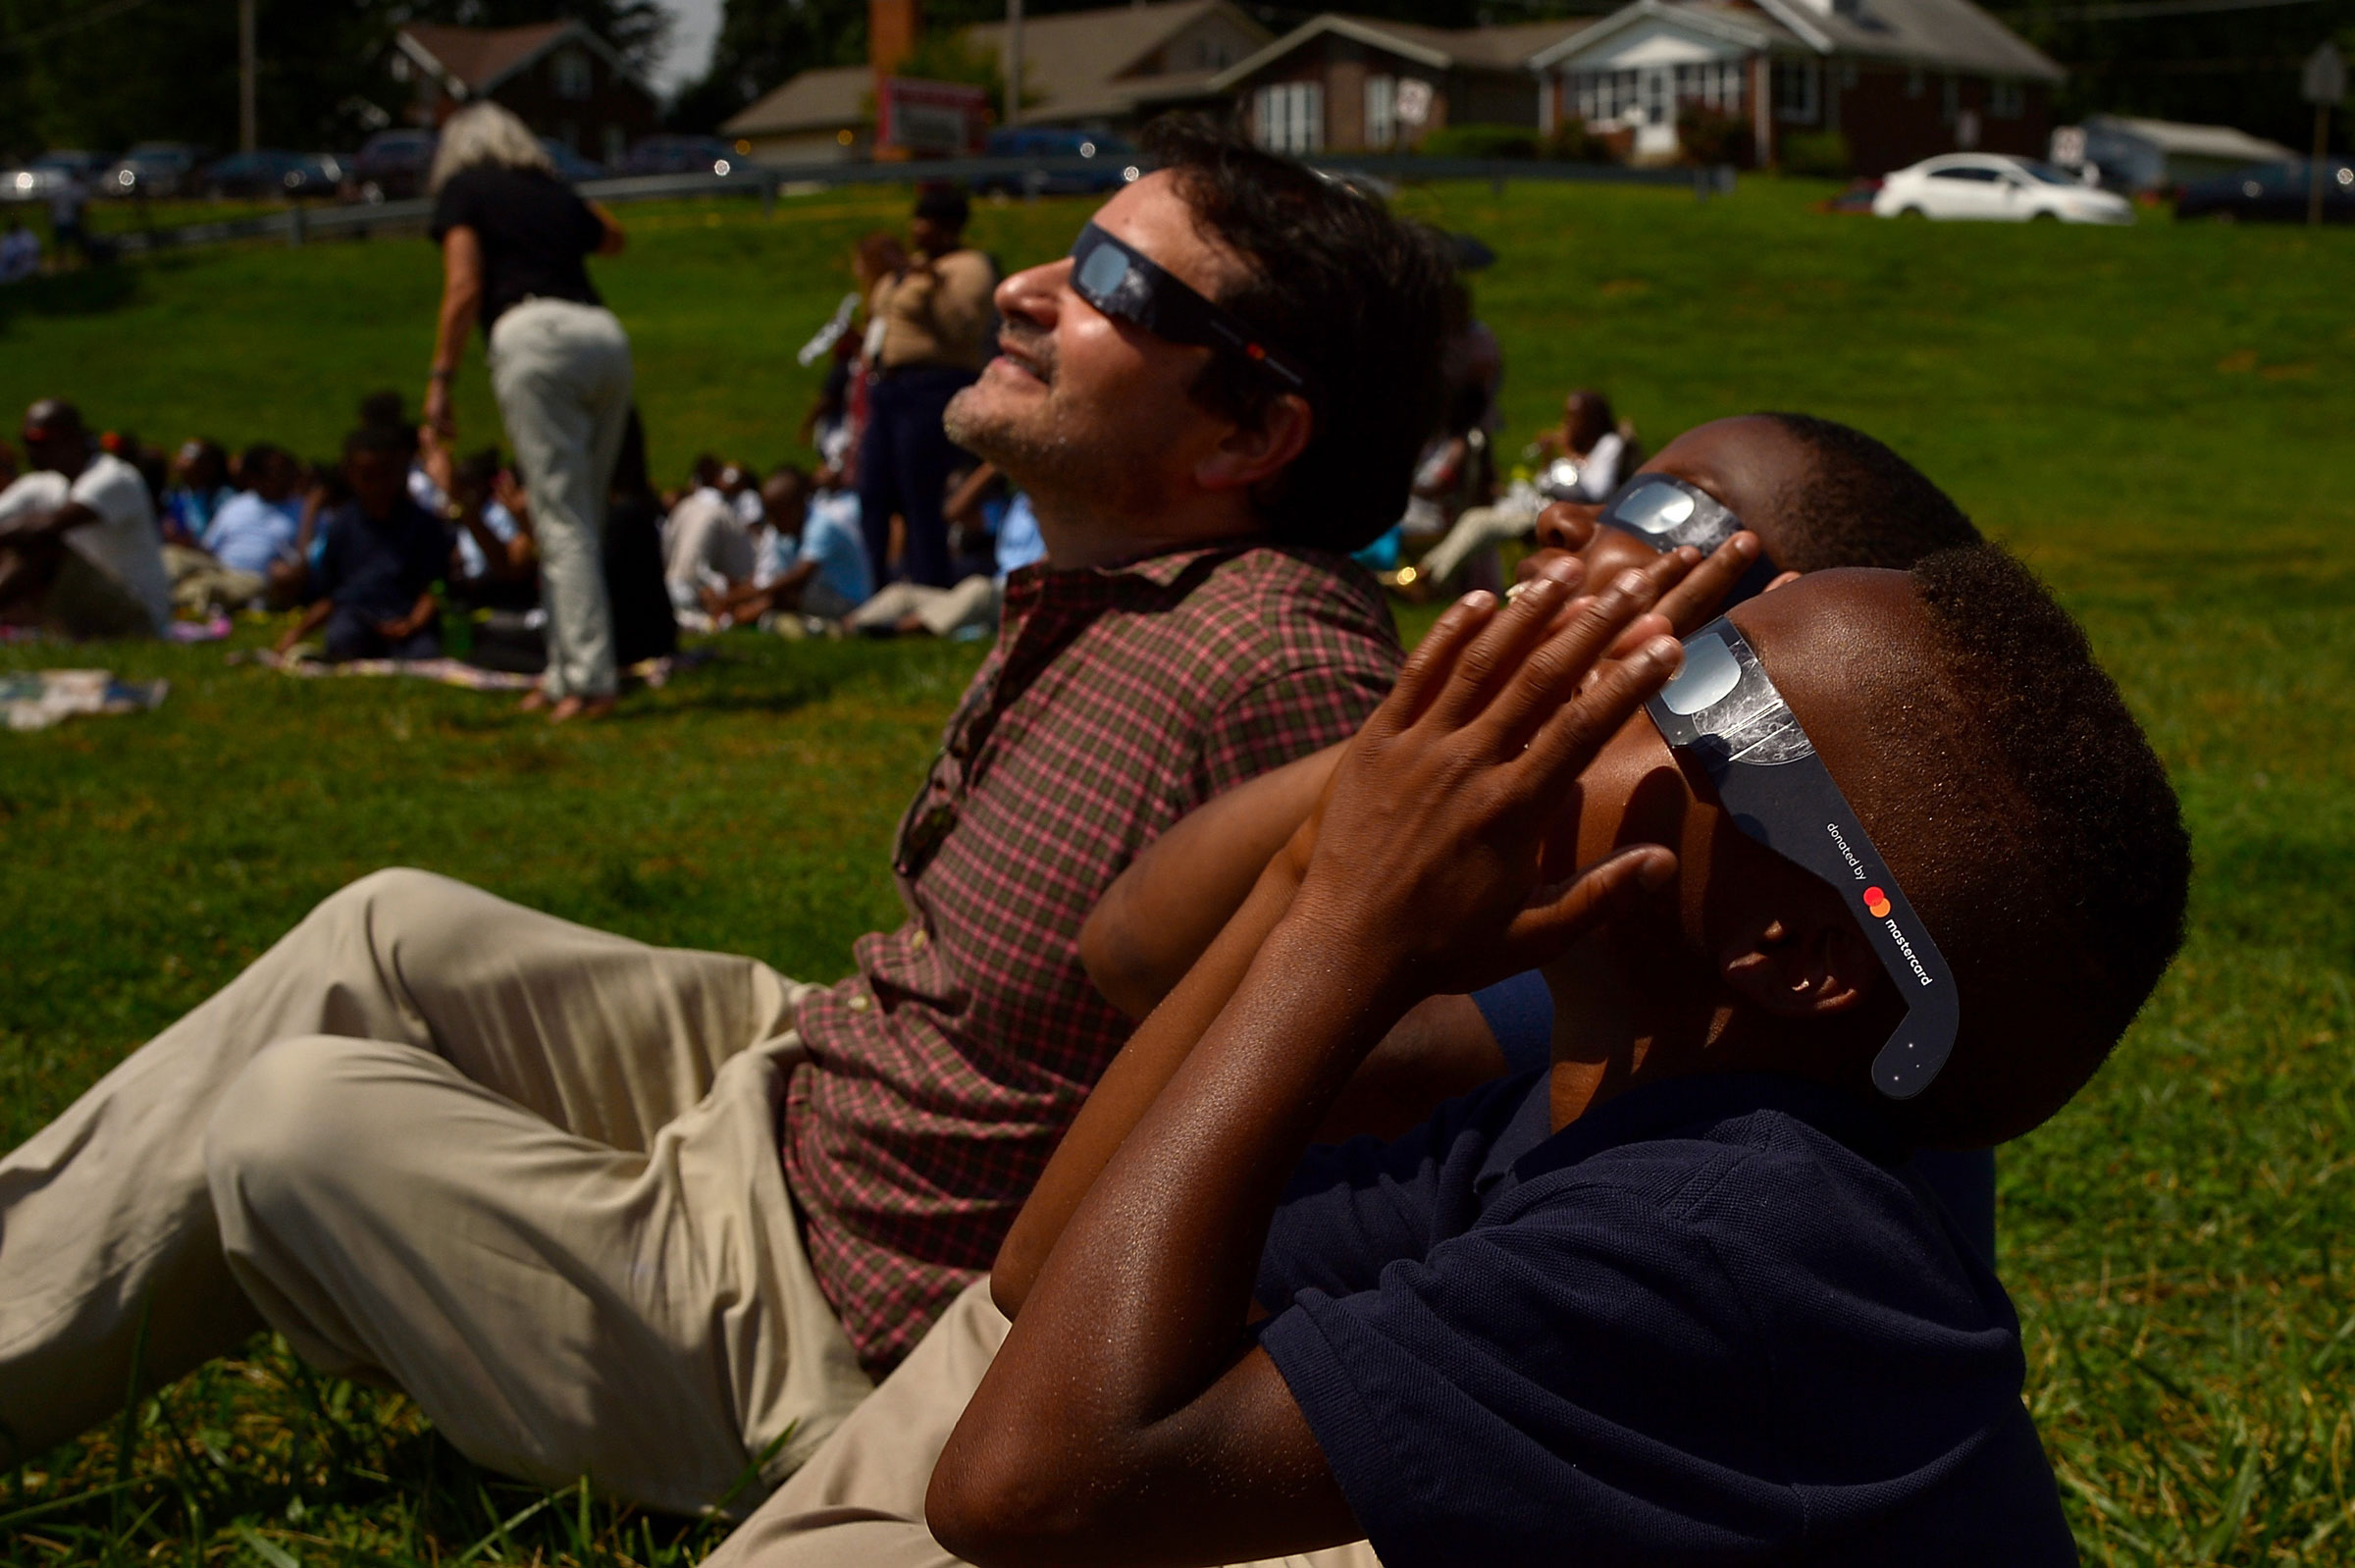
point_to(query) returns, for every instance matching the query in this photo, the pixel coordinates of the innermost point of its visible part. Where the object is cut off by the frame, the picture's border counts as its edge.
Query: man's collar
(1656, 1110)
(1161, 569)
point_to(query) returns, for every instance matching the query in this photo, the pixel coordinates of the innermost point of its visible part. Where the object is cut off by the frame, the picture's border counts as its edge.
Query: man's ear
(1248, 455)
(1782, 581)
(1804, 960)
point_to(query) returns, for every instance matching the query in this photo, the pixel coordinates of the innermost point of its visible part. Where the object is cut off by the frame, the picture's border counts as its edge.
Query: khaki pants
(525, 1171)
(860, 1500)
(562, 372)
(1478, 528)
(942, 610)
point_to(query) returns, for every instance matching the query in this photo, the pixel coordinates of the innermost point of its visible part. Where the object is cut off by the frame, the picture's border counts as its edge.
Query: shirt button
(860, 1004)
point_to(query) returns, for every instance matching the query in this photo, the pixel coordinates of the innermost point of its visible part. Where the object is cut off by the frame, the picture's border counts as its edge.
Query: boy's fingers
(1427, 668)
(1493, 658)
(1550, 677)
(1692, 602)
(1567, 742)
(1559, 917)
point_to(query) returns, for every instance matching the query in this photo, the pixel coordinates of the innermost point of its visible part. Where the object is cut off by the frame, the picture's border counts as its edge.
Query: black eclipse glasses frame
(1724, 713)
(1665, 512)
(1122, 281)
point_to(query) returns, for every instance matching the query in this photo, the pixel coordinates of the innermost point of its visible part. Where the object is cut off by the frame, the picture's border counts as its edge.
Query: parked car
(571, 167)
(1994, 188)
(272, 171)
(38, 177)
(152, 169)
(1117, 161)
(392, 164)
(669, 154)
(2270, 192)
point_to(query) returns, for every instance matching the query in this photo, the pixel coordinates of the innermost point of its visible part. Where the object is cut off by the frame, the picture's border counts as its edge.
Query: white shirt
(124, 541)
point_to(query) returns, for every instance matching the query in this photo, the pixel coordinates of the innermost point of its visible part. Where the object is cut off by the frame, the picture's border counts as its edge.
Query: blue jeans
(903, 467)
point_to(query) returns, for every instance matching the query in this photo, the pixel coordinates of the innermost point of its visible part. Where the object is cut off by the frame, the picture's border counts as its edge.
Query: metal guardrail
(301, 223)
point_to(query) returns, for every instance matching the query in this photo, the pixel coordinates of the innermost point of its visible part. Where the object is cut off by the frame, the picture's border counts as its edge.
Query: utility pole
(248, 133)
(2324, 84)
(1014, 59)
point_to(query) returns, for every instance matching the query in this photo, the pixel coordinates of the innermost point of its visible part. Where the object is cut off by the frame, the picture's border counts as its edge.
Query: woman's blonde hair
(485, 132)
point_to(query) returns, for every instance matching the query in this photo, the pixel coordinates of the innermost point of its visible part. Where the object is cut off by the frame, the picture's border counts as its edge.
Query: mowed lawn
(2157, 418)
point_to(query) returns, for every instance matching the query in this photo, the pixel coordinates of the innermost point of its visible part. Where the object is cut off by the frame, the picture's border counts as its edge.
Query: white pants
(526, 1170)
(1478, 528)
(942, 610)
(860, 1500)
(562, 372)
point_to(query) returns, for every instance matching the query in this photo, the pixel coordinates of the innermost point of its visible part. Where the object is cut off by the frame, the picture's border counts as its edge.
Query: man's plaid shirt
(942, 1074)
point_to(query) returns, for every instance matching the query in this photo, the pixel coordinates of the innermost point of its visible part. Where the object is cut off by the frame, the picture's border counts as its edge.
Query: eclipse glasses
(1665, 512)
(1724, 713)
(1123, 282)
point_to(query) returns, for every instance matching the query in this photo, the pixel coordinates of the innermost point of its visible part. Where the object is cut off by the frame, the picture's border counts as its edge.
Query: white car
(1992, 186)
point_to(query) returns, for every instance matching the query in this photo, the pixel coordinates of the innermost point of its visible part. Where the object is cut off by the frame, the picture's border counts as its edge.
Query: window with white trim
(1290, 116)
(1382, 112)
(2006, 100)
(1798, 91)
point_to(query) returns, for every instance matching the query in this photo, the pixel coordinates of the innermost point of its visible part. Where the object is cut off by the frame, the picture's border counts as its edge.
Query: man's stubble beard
(1061, 470)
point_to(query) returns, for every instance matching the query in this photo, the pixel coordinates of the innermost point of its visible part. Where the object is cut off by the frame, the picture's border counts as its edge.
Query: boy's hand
(1429, 847)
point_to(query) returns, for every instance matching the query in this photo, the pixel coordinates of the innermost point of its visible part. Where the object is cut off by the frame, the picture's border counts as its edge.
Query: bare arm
(1126, 1418)
(32, 527)
(614, 237)
(312, 619)
(1162, 911)
(461, 306)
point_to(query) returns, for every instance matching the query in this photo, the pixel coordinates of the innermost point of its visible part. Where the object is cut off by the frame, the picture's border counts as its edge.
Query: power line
(106, 11)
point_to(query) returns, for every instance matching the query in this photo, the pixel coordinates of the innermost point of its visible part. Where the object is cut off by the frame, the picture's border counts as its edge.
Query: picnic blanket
(34, 699)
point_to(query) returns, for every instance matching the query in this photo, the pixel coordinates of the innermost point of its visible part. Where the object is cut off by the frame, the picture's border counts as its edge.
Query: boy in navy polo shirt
(1673, 1299)
(382, 555)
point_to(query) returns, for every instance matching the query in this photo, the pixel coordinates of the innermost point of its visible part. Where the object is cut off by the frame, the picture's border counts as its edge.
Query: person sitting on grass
(384, 554)
(660, 1217)
(79, 555)
(1673, 1297)
(1588, 443)
(198, 488)
(820, 565)
(250, 535)
(910, 609)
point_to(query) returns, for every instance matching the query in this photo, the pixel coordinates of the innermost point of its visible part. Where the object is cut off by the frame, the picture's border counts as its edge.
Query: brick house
(559, 77)
(1899, 80)
(1342, 84)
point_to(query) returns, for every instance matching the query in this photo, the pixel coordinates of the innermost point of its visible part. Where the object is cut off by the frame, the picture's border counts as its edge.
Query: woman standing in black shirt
(513, 240)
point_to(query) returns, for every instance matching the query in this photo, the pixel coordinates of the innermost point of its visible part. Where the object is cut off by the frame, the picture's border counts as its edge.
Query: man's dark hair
(2025, 814)
(1862, 506)
(478, 470)
(256, 458)
(943, 202)
(382, 441)
(1357, 295)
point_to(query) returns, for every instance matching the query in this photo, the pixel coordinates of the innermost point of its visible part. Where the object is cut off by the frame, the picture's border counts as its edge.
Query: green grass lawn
(2156, 417)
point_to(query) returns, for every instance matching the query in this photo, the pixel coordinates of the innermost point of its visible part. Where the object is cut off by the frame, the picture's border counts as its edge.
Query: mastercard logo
(1877, 902)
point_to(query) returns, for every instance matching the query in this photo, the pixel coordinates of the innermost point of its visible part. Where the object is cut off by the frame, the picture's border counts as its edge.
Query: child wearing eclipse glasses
(1877, 861)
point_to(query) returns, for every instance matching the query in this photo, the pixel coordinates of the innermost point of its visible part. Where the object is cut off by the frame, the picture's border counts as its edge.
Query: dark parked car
(272, 172)
(571, 167)
(2270, 192)
(680, 155)
(152, 169)
(44, 172)
(393, 164)
(1117, 159)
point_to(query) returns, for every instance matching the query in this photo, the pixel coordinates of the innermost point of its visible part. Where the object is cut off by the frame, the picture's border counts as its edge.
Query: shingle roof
(1944, 35)
(1507, 47)
(815, 100)
(1076, 63)
(478, 58)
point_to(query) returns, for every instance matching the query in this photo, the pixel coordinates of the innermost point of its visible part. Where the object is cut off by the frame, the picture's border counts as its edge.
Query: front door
(1655, 98)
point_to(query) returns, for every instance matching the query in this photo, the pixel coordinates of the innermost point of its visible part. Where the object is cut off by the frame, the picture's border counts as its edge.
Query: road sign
(2325, 80)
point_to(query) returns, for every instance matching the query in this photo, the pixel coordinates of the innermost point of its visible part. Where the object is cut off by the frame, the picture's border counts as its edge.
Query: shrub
(1709, 137)
(1822, 153)
(1572, 142)
(1480, 141)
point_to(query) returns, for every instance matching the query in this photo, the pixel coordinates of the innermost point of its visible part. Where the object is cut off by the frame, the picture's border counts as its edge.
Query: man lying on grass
(1673, 1298)
(647, 1215)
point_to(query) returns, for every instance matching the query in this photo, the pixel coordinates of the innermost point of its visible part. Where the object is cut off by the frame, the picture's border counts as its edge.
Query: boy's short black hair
(257, 457)
(1357, 295)
(2038, 833)
(477, 469)
(1863, 505)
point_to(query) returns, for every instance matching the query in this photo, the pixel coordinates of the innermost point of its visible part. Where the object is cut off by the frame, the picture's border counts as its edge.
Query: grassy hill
(2156, 417)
